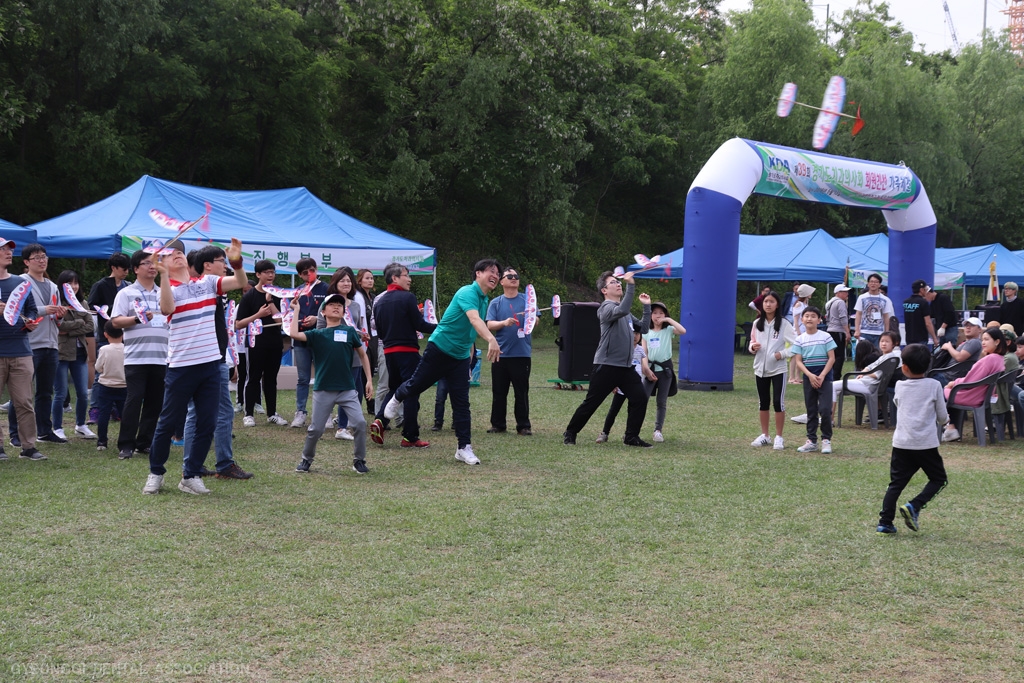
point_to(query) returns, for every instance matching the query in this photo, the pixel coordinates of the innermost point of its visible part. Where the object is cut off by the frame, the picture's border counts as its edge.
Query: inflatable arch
(712, 227)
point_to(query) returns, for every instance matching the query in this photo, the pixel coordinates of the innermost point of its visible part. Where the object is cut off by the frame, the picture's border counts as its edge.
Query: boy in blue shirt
(815, 353)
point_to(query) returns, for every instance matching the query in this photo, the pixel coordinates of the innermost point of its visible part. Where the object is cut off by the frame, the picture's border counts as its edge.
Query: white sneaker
(950, 434)
(60, 433)
(84, 432)
(248, 421)
(300, 419)
(259, 409)
(808, 447)
(762, 440)
(658, 436)
(826, 446)
(602, 438)
(194, 486)
(330, 424)
(276, 419)
(343, 433)
(391, 409)
(466, 455)
(237, 407)
(779, 444)
(800, 419)
(154, 483)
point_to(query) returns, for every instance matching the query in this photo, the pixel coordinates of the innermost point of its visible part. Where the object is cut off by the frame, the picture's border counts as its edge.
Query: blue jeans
(873, 338)
(434, 366)
(221, 433)
(106, 398)
(199, 383)
(303, 361)
(952, 335)
(79, 369)
(45, 363)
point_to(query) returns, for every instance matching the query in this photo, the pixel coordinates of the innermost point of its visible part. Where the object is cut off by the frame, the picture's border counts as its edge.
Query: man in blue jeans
(309, 305)
(194, 358)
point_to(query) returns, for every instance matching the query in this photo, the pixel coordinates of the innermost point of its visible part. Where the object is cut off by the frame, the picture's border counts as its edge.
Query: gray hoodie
(616, 345)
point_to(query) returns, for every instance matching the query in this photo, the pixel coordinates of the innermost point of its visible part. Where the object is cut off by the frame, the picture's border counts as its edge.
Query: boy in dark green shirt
(332, 349)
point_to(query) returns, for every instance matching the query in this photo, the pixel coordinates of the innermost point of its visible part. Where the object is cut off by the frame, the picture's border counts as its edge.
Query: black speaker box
(577, 344)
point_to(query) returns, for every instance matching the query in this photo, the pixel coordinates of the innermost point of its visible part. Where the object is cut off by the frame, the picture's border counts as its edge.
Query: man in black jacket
(1012, 309)
(943, 316)
(102, 294)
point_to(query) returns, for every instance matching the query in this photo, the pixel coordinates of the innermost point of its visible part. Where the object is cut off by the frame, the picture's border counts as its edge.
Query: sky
(926, 19)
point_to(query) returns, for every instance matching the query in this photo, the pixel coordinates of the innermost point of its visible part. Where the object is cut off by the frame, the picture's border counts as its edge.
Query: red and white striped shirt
(193, 332)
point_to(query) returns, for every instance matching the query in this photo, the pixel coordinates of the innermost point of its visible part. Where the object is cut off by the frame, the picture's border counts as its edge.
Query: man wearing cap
(506, 318)
(873, 311)
(837, 316)
(944, 318)
(969, 351)
(16, 366)
(1012, 309)
(917, 319)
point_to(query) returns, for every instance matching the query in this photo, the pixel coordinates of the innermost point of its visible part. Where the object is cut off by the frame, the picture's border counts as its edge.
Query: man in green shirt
(450, 350)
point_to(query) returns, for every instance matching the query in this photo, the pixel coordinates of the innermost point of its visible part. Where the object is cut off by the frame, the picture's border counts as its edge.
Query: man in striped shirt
(193, 360)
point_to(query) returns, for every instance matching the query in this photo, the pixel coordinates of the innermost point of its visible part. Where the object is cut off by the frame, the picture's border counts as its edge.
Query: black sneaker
(569, 438)
(16, 442)
(143, 451)
(303, 466)
(51, 438)
(437, 427)
(495, 430)
(234, 472)
(359, 466)
(638, 442)
(885, 530)
(3, 456)
(32, 454)
(125, 454)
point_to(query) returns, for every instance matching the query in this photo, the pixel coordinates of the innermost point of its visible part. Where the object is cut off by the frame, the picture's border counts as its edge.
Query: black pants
(142, 405)
(264, 364)
(837, 367)
(603, 381)
(514, 372)
(401, 366)
(904, 464)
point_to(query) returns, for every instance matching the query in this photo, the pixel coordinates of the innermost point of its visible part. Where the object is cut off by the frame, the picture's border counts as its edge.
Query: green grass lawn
(701, 559)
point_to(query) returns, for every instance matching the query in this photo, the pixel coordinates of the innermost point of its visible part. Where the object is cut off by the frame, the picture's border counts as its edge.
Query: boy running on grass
(332, 348)
(815, 353)
(915, 443)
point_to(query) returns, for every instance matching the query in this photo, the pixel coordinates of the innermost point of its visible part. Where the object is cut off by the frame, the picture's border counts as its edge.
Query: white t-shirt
(873, 308)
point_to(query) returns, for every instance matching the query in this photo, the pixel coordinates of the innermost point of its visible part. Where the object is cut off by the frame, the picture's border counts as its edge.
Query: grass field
(701, 559)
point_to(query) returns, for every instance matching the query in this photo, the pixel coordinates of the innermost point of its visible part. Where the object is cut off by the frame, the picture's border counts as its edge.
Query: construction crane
(952, 30)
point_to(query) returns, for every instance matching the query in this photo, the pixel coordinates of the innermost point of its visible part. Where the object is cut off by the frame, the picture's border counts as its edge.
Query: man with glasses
(309, 305)
(613, 361)
(145, 354)
(506, 318)
(16, 357)
(43, 340)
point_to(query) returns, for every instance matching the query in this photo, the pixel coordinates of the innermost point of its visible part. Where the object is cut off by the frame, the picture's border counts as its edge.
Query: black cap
(918, 285)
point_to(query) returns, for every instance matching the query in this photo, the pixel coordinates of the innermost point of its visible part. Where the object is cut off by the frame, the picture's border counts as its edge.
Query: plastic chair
(999, 422)
(887, 368)
(953, 370)
(743, 338)
(977, 412)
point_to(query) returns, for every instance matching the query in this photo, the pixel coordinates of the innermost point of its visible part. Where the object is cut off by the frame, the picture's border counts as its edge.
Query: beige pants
(16, 374)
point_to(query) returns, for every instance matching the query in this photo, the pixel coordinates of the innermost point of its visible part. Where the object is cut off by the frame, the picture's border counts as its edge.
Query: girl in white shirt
(768, 340)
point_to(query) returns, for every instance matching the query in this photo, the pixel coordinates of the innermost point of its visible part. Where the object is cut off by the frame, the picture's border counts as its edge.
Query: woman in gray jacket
(769, 339)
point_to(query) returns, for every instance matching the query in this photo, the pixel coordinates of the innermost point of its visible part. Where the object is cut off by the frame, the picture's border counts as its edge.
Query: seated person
(870, 375)
(968, 352)
(993, 349)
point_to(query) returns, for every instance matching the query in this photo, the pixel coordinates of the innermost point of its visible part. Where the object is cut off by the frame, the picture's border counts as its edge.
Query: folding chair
(887, 369)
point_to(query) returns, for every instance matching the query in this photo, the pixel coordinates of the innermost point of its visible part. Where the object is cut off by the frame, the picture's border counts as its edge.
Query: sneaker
(779, 444)
(391, 409)
(343, 433)
(950, 434)
(205, 471)
(100, 446)
(762, 440)
(495, 430)
(234, 472)
(826, 446)
(799, 419)
(32, 454)
(360, 466)
(418, 443)
(52, 438)
(16, 442)
(84, 432)
(377, 432)
(300, 419)
(525, 431)
(237, 407)
(248, 421)
(303, 466)
(60, 433)
(174, 442)
(569, 438)
(68, 408)
(259, 409)
(145, 449)
(4, 407)
(195, 486)
(910, 517)
(276, 419)
(601, 438)
(466, 455)
(885, 530)
(437, 427)
(808, 447)
(154, 483)
(332, 423)
(658, 436)
(125, 454)
(3, 455)
(94, 415)
(638, 442)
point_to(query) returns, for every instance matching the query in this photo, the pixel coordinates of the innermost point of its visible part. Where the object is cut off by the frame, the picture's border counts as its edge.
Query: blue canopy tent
(813, 256)
(974, 263)
(20, 235)
(875, 246)
(280, 225)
